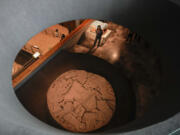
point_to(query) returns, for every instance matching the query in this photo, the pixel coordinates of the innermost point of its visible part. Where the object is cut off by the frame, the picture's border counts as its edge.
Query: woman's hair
(99, 27)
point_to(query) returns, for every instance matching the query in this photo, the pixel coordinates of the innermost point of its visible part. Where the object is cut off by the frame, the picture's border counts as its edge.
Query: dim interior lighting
(77, 96)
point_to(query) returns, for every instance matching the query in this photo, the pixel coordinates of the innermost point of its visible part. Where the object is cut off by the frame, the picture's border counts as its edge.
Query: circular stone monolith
(81, 101)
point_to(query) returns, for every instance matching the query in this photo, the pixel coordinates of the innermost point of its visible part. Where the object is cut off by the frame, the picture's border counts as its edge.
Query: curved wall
(156, 21)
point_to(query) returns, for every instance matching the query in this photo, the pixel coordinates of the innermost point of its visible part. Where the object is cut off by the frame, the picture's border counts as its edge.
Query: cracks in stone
(68, 89)
(79, 111)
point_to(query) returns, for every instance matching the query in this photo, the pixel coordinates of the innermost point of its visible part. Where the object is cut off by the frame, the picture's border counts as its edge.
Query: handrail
(44, 57)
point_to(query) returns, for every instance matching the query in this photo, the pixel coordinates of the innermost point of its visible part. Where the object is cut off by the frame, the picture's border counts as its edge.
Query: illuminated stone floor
(33, 93)
(132, 68)
(135, 58)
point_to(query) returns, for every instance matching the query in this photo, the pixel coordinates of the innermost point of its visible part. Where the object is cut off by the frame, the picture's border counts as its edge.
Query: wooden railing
(44, 57)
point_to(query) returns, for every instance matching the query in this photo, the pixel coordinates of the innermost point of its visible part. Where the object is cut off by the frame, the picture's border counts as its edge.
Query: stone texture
(81, 101)
(136, 59)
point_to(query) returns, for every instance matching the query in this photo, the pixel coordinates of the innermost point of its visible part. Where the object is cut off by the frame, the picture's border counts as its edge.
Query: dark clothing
(62, 36)
(99, 41)
(99, 33)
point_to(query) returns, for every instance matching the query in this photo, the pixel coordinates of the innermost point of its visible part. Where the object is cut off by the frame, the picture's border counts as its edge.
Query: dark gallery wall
(155, 20)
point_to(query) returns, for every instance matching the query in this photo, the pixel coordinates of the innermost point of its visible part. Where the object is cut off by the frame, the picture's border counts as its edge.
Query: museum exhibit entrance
(87, 76)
